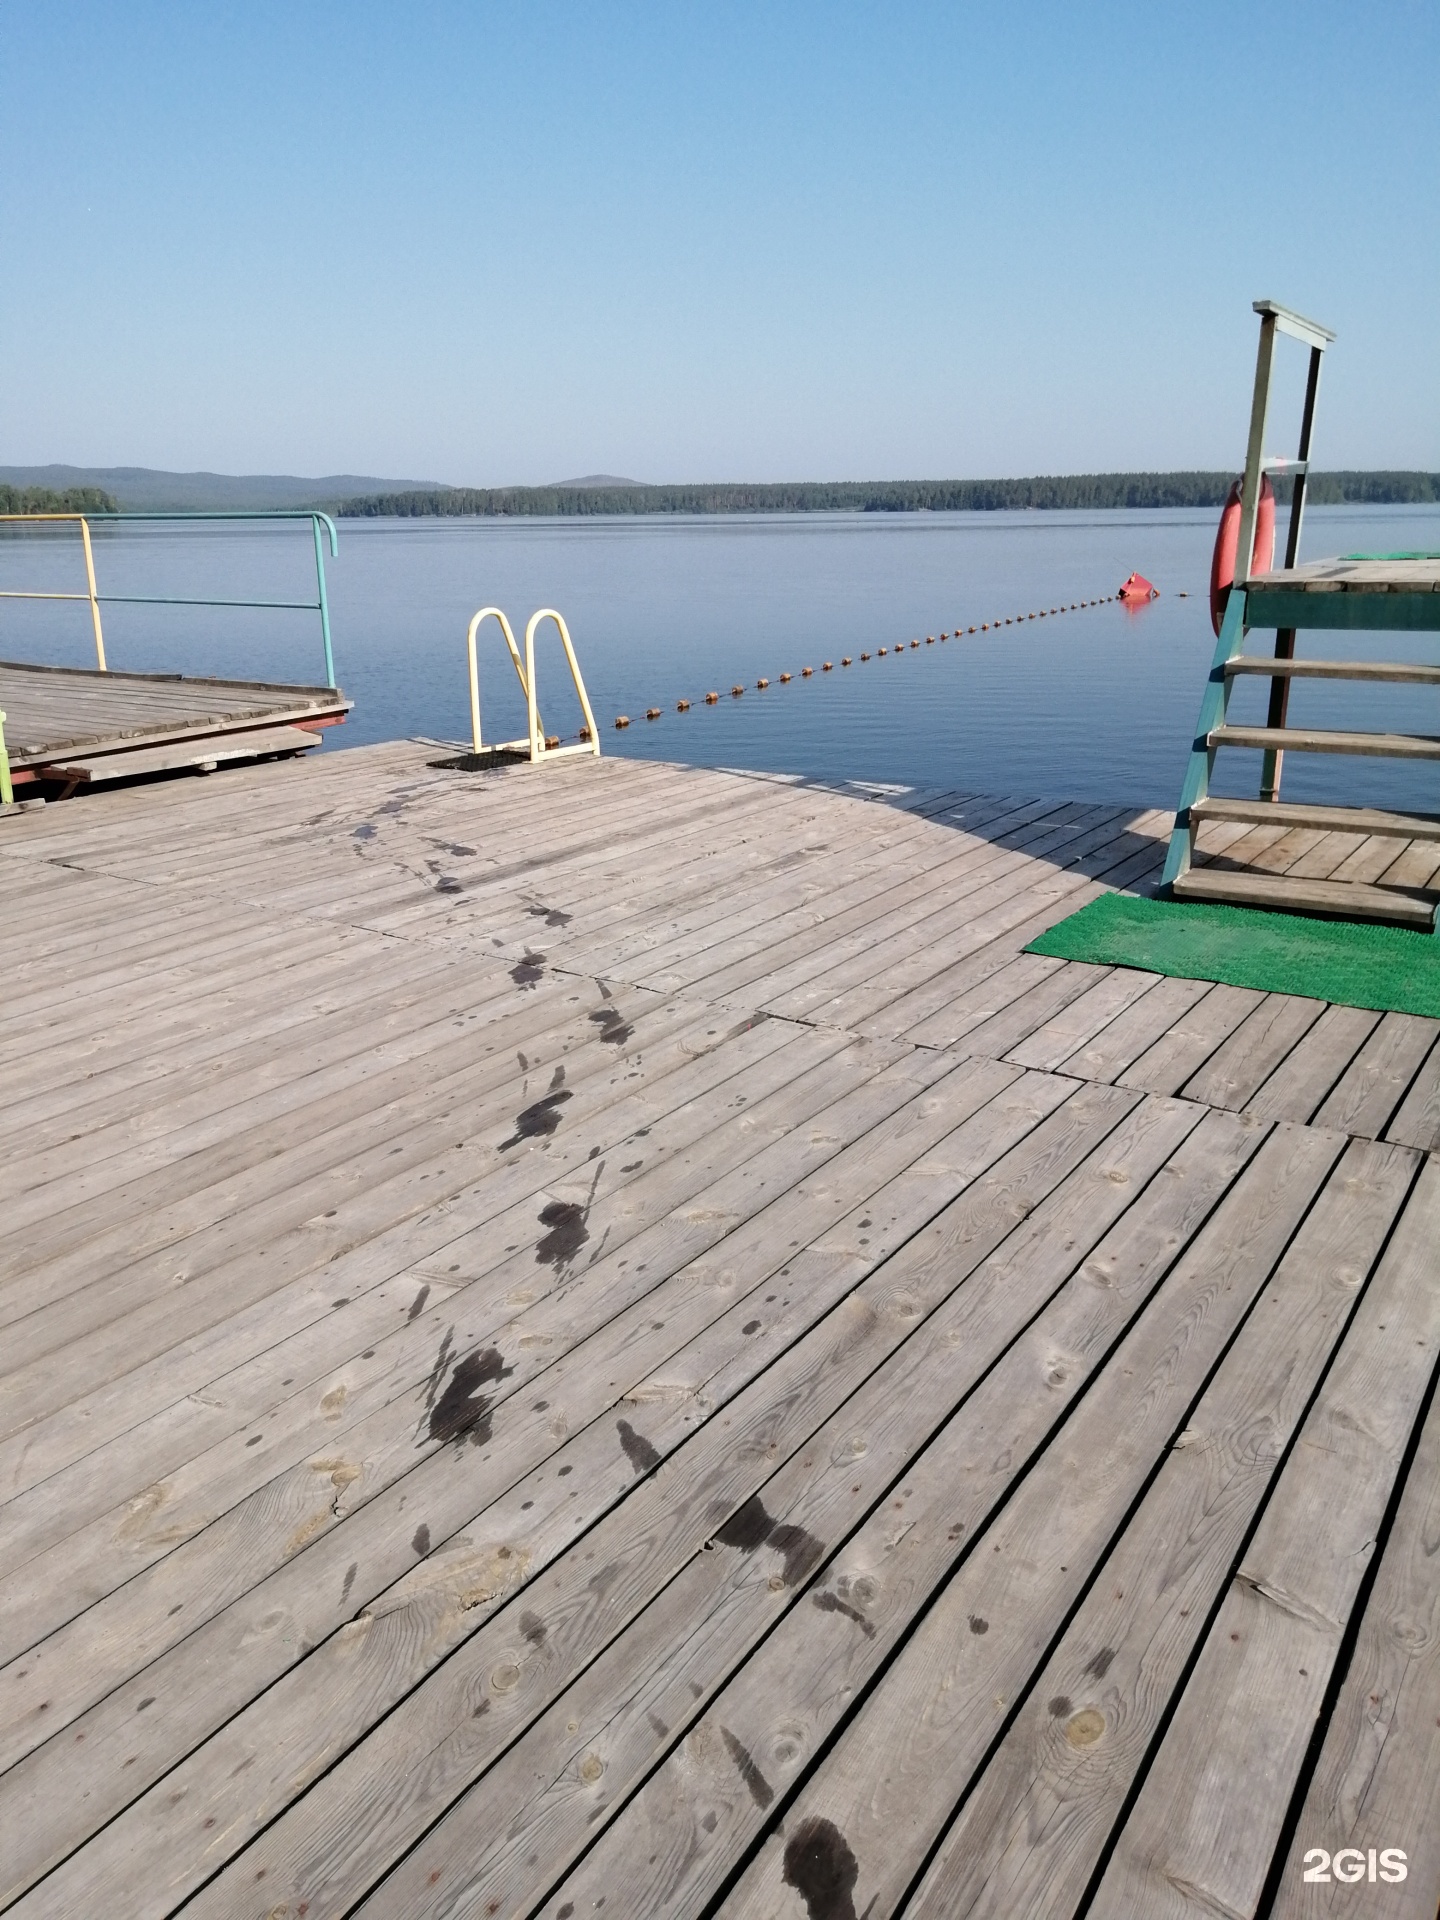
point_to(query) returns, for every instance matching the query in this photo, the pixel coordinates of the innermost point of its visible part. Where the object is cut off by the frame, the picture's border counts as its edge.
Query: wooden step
(1350, 900)
(1392, 746)
(1284, 813)
(1388, 670)
(204, 755)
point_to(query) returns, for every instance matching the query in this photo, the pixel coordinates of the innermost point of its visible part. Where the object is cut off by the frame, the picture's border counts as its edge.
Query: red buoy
(1227, 538)
(1137, 587)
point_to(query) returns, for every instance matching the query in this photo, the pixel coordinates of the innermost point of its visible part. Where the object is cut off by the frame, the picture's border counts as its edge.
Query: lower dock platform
(599, 1340)
(70, 726)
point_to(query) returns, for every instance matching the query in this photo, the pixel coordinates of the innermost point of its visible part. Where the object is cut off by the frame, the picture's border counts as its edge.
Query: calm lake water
(1098, 704)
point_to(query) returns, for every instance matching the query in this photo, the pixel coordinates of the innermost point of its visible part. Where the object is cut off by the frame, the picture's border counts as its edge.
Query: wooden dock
(600, 1340)
(67, 727)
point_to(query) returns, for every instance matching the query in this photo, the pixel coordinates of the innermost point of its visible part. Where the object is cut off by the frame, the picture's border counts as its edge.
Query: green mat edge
(1398, 968)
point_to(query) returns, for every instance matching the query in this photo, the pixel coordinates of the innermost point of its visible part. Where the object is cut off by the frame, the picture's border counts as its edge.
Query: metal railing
(96, 599)
(536, 745)
(7, 792)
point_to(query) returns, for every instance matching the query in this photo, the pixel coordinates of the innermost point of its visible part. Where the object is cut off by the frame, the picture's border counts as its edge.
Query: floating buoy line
(898, 649)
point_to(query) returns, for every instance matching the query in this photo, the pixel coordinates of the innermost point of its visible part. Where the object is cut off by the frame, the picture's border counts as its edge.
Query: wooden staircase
(1359, 592)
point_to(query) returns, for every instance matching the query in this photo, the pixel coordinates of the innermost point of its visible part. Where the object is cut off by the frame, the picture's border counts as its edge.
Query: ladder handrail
(487, 613)
(535, 742)
(537, 737)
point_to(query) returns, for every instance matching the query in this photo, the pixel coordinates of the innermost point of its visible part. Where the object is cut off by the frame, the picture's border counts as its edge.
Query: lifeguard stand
(1397, 592)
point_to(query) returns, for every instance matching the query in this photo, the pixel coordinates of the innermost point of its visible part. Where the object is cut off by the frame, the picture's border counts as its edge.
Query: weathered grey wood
(1087, 1015)
(1214, 1799)
(952, 1681)
(1373, 1085)
(1351, 898)
(1394, 746)
(1377, 1780)
(1135, 1030)
(1236, 1071)
(1030, 1836)
(439, 1605)
(1183, 1048)
(1417, 1124)
(890, 1420)
(1290, 813)
(1388, 670)
(1306, 1075)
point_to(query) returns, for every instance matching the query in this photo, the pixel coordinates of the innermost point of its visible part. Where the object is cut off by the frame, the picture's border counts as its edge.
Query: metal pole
(7, 792)
(1273, 760)
(324, 604)
(94, 596)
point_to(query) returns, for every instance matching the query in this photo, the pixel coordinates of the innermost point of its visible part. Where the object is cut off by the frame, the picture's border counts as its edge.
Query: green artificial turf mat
(1391, 969)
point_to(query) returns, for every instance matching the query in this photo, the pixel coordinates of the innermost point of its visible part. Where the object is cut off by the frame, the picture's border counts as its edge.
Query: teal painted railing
(95, 599)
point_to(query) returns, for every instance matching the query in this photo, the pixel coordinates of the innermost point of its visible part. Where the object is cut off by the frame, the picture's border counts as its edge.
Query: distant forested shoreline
(1079, 491)
(47, 500)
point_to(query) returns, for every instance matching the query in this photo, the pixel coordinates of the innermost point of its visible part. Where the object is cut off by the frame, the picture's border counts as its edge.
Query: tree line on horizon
(47, 500)
(1045, 492)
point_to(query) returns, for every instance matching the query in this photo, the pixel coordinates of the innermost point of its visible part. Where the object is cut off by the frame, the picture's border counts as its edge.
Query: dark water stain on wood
(421, 1542)
(365, 831)
(978, 1624)
(532, 1627)
(417, 1305)
(462, 1412)
(567, 1233)
(760, 1789)
(638, 1450)
(350, 1573)
(751, 1526)
(528, 971)
(614, 1030)
(1059, 1706)
(832, 1603)
(447, 883)
(552, 916)
(658, 1726)
(1100, 1665)
(822, 1870)
(539, 1120)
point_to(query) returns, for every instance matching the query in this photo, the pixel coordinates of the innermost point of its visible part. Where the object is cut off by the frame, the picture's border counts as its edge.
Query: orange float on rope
(1137, 587)
(1227, 538)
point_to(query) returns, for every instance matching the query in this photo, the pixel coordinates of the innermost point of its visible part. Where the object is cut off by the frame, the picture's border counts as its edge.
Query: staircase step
(1393, 746)
(1389, 670)
(1284, 813)
(1350, 899)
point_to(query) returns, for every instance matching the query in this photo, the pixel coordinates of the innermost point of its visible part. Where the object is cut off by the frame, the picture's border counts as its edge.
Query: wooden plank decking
(601, 1340)
(58, 716)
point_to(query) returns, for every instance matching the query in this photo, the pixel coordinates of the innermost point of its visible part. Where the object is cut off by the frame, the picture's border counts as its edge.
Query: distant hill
(1079, 491)
(598, 480)
(149, 489)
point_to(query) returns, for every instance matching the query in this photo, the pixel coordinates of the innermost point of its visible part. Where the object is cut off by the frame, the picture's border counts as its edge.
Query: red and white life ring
(1227, 539)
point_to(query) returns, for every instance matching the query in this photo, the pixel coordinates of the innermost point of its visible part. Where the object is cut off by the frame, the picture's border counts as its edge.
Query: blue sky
(492, 244)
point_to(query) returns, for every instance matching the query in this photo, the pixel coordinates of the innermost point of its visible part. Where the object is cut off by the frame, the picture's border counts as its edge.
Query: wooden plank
(1387, 670)
(1086, 1016)
(79, 1664)
(1349, 899)
(1031, 1834)
(1289, 813)
(1303, 1079)
(1135, 1030)
(1214, 1800)
(205, 752)
(1367, 1094)
(660, 1524)
(1016, 1572)
(1417, 1124)
(1394, 746)
(1181, 1051)
(719, 1572)
(1236, 1071)
(1377, 1780)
